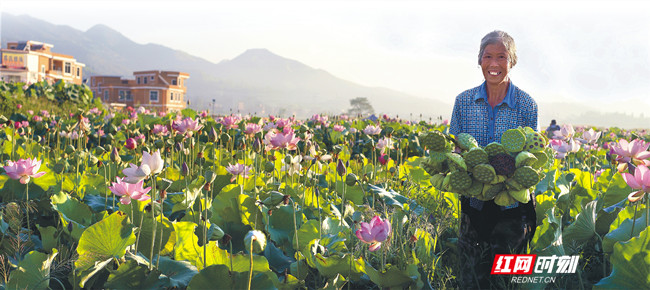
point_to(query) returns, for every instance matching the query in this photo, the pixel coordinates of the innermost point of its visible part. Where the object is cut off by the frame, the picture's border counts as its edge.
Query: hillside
(257, 81)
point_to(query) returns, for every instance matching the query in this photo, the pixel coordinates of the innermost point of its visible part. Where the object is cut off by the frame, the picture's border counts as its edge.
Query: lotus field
(132, 199)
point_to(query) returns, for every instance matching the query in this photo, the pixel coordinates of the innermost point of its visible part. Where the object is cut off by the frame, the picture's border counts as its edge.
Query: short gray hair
(499, 36)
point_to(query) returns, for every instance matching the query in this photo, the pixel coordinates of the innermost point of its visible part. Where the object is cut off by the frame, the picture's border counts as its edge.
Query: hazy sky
(574, 50)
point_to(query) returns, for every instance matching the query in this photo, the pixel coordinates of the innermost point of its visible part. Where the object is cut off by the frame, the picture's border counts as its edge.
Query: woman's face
(495, 64)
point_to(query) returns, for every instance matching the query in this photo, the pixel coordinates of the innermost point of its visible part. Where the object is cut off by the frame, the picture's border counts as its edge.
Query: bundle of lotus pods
(503, 171)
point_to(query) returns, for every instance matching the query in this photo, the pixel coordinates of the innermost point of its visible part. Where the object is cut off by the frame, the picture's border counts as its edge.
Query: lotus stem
(295, 233)
(250, 275)
(153, 217)
(27, 206)
(137, 240)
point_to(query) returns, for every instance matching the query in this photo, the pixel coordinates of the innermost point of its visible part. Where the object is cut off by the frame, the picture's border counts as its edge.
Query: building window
(67, 68)
(153, 96)
(125, 95)
(43, 68)
(171, 98)
(138, 80)
(152, 78)
(174, 82)
(144, 79)
(78, 72)
(105, 95)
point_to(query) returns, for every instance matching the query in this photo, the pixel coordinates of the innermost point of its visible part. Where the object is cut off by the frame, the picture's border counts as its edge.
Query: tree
(360, 106)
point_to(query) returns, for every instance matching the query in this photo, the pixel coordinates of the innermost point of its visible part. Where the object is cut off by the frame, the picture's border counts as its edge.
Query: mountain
(257, 81)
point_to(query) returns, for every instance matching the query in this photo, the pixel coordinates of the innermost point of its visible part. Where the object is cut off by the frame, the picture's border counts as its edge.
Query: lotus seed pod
(475, 189)
(287, 159)
(437, 180)
(431, 166)
(459, 180)
(504, 199)
(433, 140)
(456, 162)
(512, 184)
(351, 179)
(491, 190)
(257, 239)
(503, 164)
(526, 176)
(542, 160)
(484, 173)
(522, 196)
(475, 156)
(269, 166)
(466, 141)
(535, 142)
(59, 167)
(525, 158)
(513, 140)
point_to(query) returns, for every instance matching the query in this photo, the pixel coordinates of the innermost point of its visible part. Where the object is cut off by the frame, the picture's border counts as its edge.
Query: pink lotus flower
(94, 111)
(45, 113)
(130, 144)
(160, 130)
(281, 123)
(203, 114)
(19, 106)
(338, 128)
(129, 191)
(230, 122)
(374, 233)
(383, 159)
(445, 122)
(23, 169)
(372, 130)
(566, 132)
(383, 144)
(631, 152)
(560, 147)
(150, 164)
(37, 118)
(281, 140)
(187, 126)
(640, 181)
(237, 170)
(590, 137)
(252, 129)
(126, 122)
(269, 126)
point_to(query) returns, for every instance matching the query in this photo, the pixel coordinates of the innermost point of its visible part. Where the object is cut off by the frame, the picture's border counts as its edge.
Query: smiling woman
(486, 112)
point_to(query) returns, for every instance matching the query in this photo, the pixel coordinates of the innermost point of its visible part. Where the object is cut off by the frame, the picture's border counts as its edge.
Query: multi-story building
(162, 91)
(32, 61)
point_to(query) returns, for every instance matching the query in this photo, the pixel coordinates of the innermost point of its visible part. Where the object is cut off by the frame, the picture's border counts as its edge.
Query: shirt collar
(508, 100)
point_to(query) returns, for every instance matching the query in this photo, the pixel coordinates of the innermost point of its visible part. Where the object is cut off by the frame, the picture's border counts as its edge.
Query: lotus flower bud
(115, 157)
(340, 168)
(257, 239)
(217, 232)
(93, 160)
(269, 166)
(3, 119)
(257, 145)
(213, 136)
(100, 150)
(130, 144)
(184, 169)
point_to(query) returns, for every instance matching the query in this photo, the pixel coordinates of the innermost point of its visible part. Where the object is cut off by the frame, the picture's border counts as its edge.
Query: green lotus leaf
(583, 228)
(33, 271)
(48, 237)
(630, 264)
(205, 279)
(392, 276)
(106, 239)
(617, 190)
(623, 232)
(131, 275)
(174, 274)
(187, 247)
(354, 193)
(278, 261)
(345, 265)
(306, 234)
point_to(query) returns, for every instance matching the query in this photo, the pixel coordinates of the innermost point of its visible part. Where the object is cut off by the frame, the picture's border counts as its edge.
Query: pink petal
(643, 155)
(125, 199)
(631, 180)
(37, 175)
(634, 196)
(24, 179)
(374, 247)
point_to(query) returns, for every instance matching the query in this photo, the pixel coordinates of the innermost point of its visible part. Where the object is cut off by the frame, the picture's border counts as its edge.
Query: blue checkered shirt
(473, 115)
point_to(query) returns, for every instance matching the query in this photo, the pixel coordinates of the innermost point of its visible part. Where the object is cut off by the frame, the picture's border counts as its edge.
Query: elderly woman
(485, 112)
